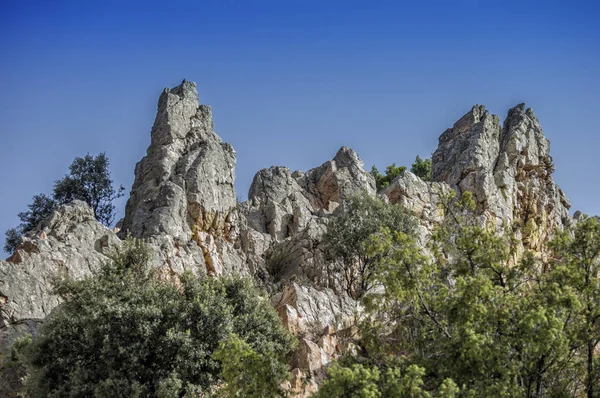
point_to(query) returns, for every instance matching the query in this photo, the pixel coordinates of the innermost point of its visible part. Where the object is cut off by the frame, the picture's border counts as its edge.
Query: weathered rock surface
(290, 212)
(183, 194)
(507, 167)
(70, 242)
(323, 320)
(420, 198)
(183, 203)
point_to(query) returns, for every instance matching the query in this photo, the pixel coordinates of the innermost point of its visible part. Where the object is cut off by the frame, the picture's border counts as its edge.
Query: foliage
(12, 239)
(372, 382)
(41, 206)
(247, 373)
(576, 274)
(475, 315)
(89, 181)
(347, 234)
(11, 366)
(125, 332)
(391, 172)
(422, 168)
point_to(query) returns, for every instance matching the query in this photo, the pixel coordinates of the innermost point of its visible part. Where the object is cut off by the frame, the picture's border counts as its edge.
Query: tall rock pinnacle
(508, 168)
(184, 185)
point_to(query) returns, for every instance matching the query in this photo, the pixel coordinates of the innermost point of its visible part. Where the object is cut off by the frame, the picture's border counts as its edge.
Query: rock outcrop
(183, 194)
(507, 167)
(70, 242)
(183, 203)
(286, 216)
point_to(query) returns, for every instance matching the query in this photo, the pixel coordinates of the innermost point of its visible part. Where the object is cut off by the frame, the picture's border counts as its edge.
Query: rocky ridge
(183, 203)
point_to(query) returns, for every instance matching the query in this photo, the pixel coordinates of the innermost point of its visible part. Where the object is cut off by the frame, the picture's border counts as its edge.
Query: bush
(391, 172)
(422, 168)
(125, 333)
(347, 235)
(41, 206)
(478, 312)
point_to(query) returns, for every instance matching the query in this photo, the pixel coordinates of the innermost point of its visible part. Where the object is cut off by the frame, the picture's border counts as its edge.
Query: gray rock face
(290, 212)
(507, 168)
(183, 203)
(420, 198)
(70, 242)
(337, 179)
(183, 194)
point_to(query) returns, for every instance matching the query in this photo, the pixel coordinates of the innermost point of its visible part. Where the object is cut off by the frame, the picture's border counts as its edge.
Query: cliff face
(183, 203)
(507, 167)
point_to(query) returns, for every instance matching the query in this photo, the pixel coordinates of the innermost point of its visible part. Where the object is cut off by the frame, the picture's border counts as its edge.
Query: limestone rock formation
(507, 167)
(420, 198)
(69, 242)
(183, 203)
(290, 212)
(183, 194)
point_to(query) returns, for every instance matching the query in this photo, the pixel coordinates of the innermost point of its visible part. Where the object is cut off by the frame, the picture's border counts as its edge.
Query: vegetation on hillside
(127, 332)
(473, 314)
(472, 321)
(88, 180)
(347, 238)
(420, 167)
(391, 172)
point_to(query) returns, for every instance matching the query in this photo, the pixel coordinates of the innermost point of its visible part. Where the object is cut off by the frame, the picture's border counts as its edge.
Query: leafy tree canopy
(347, 235)
(422, 168)
(89, 181)
(475, 320)
(125, 332)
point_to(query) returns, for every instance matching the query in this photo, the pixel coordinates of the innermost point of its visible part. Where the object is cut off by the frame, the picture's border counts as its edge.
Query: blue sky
(290, 81)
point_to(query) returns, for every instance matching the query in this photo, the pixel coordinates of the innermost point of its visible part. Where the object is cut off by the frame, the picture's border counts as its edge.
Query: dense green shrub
(472, 314)
(422, 168)
(391, 172)
(347, 234)
(127, 333)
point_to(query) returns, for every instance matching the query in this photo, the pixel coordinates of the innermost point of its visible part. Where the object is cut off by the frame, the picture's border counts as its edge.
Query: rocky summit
(183, 203)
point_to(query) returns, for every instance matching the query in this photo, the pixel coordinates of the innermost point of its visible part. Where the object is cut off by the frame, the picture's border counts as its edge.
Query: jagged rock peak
(185, 183)
(347, 157)
(335, 180)
(507, 167)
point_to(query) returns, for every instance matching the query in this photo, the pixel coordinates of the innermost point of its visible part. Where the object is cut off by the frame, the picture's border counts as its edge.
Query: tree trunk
(590, 369)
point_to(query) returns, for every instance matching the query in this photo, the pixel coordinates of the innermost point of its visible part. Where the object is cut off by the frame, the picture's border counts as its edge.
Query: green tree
(127, 333)
(360, 381)
(89, 180)
(41, 206)
(247, 373)
(347, 234)
(422, 168)
(471, 313)
(577, 270)
(391, 172)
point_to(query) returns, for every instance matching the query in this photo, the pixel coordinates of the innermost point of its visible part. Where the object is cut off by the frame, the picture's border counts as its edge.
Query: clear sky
(291, 81)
